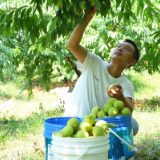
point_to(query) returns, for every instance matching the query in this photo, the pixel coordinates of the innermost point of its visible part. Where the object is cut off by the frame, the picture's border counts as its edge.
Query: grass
(21, 127)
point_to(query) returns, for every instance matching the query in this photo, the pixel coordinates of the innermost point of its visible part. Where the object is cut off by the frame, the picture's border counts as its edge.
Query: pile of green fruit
(112, 108)
(89, 127)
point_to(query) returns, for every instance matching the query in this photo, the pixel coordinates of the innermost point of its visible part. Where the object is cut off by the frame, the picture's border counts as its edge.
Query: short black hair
(136, 54)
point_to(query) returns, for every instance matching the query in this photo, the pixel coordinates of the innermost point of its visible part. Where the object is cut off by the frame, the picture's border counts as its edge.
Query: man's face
(123, 53)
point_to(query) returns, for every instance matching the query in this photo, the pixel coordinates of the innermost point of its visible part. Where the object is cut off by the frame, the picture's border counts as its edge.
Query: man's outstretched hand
(92, 11)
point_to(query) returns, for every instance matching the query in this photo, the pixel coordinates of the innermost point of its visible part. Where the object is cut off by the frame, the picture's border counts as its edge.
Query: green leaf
(118, 2)
(40, 11)
(133, 16)
(120, 15)
(156, 34)
(155, 63)
(98, 5)
(29, 10)
(148, 3)
(53, 35)
(128, 6)
(9, 16)
(44, 25)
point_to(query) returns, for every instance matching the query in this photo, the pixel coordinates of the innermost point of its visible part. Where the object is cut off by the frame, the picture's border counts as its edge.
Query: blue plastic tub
(52, 125)
(118, 150)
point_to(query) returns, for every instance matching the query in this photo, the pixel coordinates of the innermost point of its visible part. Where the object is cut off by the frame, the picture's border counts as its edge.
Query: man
(97, 75)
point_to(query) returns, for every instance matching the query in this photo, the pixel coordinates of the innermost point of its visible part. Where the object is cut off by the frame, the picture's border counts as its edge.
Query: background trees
(33, 35)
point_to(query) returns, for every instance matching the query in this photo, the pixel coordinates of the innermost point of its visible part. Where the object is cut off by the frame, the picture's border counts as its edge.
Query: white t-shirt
(90, 89)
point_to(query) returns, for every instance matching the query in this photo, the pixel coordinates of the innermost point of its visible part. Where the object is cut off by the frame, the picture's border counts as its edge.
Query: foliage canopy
(34, 34)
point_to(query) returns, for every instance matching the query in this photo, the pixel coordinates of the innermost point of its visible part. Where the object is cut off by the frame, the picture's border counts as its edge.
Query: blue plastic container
(119, 150)
(52, 125)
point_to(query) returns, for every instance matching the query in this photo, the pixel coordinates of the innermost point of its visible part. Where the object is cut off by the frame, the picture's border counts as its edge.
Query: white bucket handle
(85, 149)
(134, 148)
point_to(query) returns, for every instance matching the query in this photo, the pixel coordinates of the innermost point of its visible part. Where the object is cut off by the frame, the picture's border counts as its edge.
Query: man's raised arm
(74, 41)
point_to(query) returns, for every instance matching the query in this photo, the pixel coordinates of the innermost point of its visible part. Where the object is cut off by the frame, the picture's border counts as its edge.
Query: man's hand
(115, 91)
(92, 11)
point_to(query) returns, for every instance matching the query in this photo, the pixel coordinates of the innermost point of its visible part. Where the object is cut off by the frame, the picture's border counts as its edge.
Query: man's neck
(115, 70)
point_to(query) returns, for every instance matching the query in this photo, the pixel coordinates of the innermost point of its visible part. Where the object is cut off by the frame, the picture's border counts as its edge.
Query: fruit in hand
(119, 105)
(113, 112)
(111, 87)
(125, 111)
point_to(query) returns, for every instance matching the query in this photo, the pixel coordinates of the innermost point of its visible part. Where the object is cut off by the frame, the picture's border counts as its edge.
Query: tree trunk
(73, 65)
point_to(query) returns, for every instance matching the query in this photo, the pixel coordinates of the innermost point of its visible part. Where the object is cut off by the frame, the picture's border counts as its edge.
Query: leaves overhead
(44, 26)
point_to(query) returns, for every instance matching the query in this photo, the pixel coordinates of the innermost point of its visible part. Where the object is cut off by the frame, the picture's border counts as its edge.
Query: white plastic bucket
(93, 148)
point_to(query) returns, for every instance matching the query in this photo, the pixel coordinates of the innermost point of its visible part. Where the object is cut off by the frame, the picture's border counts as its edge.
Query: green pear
(90, 118)
(107, 106)
(119, 105)
(98, 131)
(101, 114)
(67, 131)
(111, 101)
(113, 112)
(125, 111)
(82, 134)
(103, 124)
(74, 123)
(96, 109)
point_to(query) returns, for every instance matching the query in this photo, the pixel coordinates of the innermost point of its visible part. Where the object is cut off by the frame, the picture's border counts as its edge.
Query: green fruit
(74, 136)
(113, 112)
(98, 131)
(96, 109)
(67, 131)
(59, 134)
(103, 124)
(101, 114)
(111, 101)
(82, 134)
(60, 3)
(125, 111)
(83, 4)
(90, 133)
(119, 105)
(107, 106)
(86, 125)
(93, 115)
(74, 123)
(90, 118)
(111, 87)
(96, 120)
